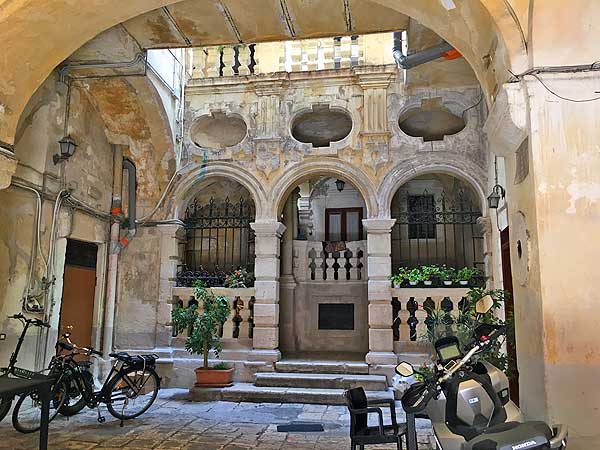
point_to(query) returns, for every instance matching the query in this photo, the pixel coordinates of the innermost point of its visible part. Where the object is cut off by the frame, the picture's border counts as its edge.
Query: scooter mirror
(484, 304)
(405, 369)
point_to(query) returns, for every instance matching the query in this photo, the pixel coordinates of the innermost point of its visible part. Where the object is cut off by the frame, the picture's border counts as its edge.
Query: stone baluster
(329, 269)
(328, 53)
(229, 324)
(228, 61)
(381, 337)
(213, 62)
(404, 315)
(345, 51)
(296, 56)
(245, 316)
(312, 54)
(244, 60)
(266, 307)
(354, 269)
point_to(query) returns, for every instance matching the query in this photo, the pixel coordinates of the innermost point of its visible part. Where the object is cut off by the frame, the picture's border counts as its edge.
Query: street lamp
(340, 185)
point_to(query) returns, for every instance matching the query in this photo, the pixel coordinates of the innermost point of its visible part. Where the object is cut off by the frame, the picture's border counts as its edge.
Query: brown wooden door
(510, 309)
(79, 285)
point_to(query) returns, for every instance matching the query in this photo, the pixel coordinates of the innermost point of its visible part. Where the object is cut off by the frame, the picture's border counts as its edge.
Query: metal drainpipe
(418, 58)
(113, 252)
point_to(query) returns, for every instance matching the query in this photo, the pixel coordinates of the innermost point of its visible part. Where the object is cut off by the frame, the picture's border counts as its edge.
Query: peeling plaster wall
(88, 174)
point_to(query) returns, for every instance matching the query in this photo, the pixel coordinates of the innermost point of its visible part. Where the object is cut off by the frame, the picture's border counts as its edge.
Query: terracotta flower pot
(214, 378)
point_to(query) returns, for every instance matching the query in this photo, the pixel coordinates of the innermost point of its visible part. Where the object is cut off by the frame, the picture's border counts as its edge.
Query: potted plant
(204, 325)
(465, 275)
(239, 278)
(414, 276)
(428, 273)
(446, 275)
(400, 277)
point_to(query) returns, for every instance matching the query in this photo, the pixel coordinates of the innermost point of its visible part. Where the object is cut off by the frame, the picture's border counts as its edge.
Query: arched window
(436, 223)
(219, 239)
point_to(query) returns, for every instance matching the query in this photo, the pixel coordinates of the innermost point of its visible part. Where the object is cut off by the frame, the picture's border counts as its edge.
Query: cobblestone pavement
(175, 423)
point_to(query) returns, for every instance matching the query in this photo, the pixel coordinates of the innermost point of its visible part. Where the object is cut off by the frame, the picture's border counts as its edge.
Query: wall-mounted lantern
(493, 199)
(67, 149)
(339, 184)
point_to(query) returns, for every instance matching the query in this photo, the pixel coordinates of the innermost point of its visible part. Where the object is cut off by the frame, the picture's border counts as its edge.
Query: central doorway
(323, 283)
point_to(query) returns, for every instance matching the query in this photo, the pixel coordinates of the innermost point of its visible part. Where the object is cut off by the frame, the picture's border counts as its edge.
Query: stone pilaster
(375, 136)
(381, 338)
(170, 238)
(8, 165)
(266, 307)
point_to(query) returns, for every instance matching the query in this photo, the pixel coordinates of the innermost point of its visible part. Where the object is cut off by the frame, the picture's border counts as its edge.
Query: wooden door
(510, 308)
(79, 286)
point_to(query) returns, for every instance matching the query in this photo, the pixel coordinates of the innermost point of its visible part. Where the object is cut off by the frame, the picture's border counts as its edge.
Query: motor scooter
(468, 401)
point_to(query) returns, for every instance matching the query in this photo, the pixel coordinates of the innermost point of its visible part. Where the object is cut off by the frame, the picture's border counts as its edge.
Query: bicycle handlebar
(35, 322)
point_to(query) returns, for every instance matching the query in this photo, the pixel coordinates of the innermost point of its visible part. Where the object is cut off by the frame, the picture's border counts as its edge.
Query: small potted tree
(414, 276)
(465, 275)
(400, 277)
(446, 275)
(203, 325)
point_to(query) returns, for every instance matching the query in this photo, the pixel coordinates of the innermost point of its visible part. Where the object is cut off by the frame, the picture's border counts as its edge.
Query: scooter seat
(512, 436)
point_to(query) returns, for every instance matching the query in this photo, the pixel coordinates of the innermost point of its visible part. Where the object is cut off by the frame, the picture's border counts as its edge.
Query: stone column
(553, 198)
(287, 282)
(170, 238)
(381, 338)
(8, 165)
(266, 307)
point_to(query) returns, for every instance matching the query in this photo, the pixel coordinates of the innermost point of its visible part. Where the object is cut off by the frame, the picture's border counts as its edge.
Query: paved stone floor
(175, 423)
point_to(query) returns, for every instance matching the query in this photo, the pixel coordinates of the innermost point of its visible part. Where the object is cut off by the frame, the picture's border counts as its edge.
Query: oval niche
(321, 126)
(218, 130)
(431, 124)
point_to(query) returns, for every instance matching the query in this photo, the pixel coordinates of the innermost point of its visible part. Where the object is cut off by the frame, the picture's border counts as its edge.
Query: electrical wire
(586, 100)
(534, 73)
(473, 106)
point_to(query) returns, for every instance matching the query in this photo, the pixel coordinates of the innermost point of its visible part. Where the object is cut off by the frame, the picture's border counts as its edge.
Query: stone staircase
(303, 381)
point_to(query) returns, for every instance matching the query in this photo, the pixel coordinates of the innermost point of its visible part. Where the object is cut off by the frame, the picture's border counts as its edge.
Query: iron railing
(219, 240)
(436, 229)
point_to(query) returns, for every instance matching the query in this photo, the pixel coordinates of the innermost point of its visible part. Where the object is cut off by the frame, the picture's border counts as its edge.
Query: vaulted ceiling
(193, 23)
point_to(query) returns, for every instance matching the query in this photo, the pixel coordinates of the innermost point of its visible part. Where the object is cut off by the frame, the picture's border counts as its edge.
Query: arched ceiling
(37, 35)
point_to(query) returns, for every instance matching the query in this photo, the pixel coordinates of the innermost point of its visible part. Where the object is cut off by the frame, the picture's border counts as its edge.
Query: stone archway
(59, 29)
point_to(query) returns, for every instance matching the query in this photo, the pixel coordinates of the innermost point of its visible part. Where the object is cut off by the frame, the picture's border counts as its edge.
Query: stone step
(247, 392)
(416, 359)
(329, 367)
(321, 381)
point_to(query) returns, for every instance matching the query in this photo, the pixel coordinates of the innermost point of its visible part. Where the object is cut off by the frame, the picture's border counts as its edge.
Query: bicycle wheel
(5, 403)
(75, 401)
(132, 392)
(28, 409)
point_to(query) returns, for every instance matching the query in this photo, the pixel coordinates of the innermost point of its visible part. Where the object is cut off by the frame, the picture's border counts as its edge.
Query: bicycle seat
(123, 356)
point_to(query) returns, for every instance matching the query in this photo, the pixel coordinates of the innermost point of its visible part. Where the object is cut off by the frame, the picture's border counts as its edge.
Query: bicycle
(129, 390)
(59, 388)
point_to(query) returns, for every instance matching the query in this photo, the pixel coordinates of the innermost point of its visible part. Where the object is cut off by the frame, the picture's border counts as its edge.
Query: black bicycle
(129, 390)
(31, 402)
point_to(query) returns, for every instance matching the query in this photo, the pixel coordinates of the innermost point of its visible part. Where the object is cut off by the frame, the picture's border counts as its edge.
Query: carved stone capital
(268, 228)
(8, 166)
(268, 154)
(376, 149)
(506, 125)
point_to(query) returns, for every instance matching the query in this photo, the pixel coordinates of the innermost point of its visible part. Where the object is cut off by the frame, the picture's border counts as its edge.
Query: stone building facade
(528, 79)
